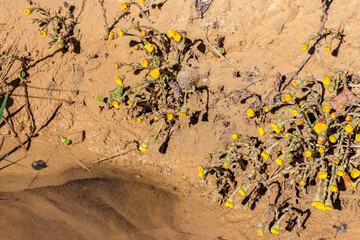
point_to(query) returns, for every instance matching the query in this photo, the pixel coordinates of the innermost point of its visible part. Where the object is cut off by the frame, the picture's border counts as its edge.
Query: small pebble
(38, 165)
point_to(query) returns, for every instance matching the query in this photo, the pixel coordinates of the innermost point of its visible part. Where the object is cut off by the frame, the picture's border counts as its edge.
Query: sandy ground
(149, 196)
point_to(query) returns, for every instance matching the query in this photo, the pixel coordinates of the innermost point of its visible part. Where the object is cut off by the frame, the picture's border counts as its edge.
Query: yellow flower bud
(326, 109)
(261, 131)
(326, 81)
(307, 154)
(155, 73)
(234, 136)
(123, 6)
(349, 128)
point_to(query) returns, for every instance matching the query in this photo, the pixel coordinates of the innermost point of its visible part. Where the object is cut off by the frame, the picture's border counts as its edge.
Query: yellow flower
(155, 118)
(261, 131)
(304, 47)
(340, 173)
(319, 205)
(230, 203)
(288, 97)
(142, 1)
(321, 150)
(355, 173)
(144, 63)
(327, 49)
(326, 109)
(234, 136)
(301, 103)
(170, 33)
(139, 120)
(322, 175)
(43, 33)
(260, 230)
(326, 81)
(115, 104)
(287, 135)
(279, 161)
(307, 154)
(265, 154)
(357, 137)
(294, 112)
(349, 128)
(155, 73)
(170, 116)
(348, 118)
(116, 65)
(111, 36)
(319, 127)
(182, 114)
(123, 6)
(242, 192)
(332, 139)
(120, 31)
(27, 11)
(149, 47)
(177, 36)
(341, 106)
(118, 80)
(275, 229)
(131, 101)
(276, 128)
(328, 206)
(144, 147)
(302, 182)
(335, 160)
(333, 188)
(333, 115)
(201, 171)
(267, 109)
(129, 117)
(136, 47)
(250, 112)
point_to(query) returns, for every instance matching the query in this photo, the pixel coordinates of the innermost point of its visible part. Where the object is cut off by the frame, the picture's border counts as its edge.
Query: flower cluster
(312, 137)
(59, 28)
(158, 96)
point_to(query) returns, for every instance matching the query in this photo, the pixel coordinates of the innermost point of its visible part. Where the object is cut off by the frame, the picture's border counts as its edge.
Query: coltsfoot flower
(120, 31)
(322, 175)
(308, 154)
(305, 46)
(261, 131)
(229, 203)
(144, 147)
(43, 33)
(201, 171)
(155, 73)
(123, 6)
(267, 109)
(27, 11)
(328, 206)
(275, 229)
(139, 120)
(177, 36)
(170, 116)
(355, 173)
(118, 80)
(326, 81)
(332, 139)
(250, 112)
(170, 33)
(149, 47)
(276, 128)
(234, 136)
(349, 128)
(265, 154)
(115, 104)
(333, 188)
(144, 63)
(319, 127)
(111, 36)
(326, 109)
(294, 112)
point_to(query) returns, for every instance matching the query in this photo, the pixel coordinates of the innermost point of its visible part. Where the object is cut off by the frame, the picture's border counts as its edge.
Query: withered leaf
(346, 96)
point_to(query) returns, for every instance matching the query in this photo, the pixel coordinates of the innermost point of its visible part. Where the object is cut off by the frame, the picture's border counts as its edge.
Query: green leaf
(3, 105)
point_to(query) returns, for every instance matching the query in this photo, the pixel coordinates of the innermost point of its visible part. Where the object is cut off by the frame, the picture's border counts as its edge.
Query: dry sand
(150, 196)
